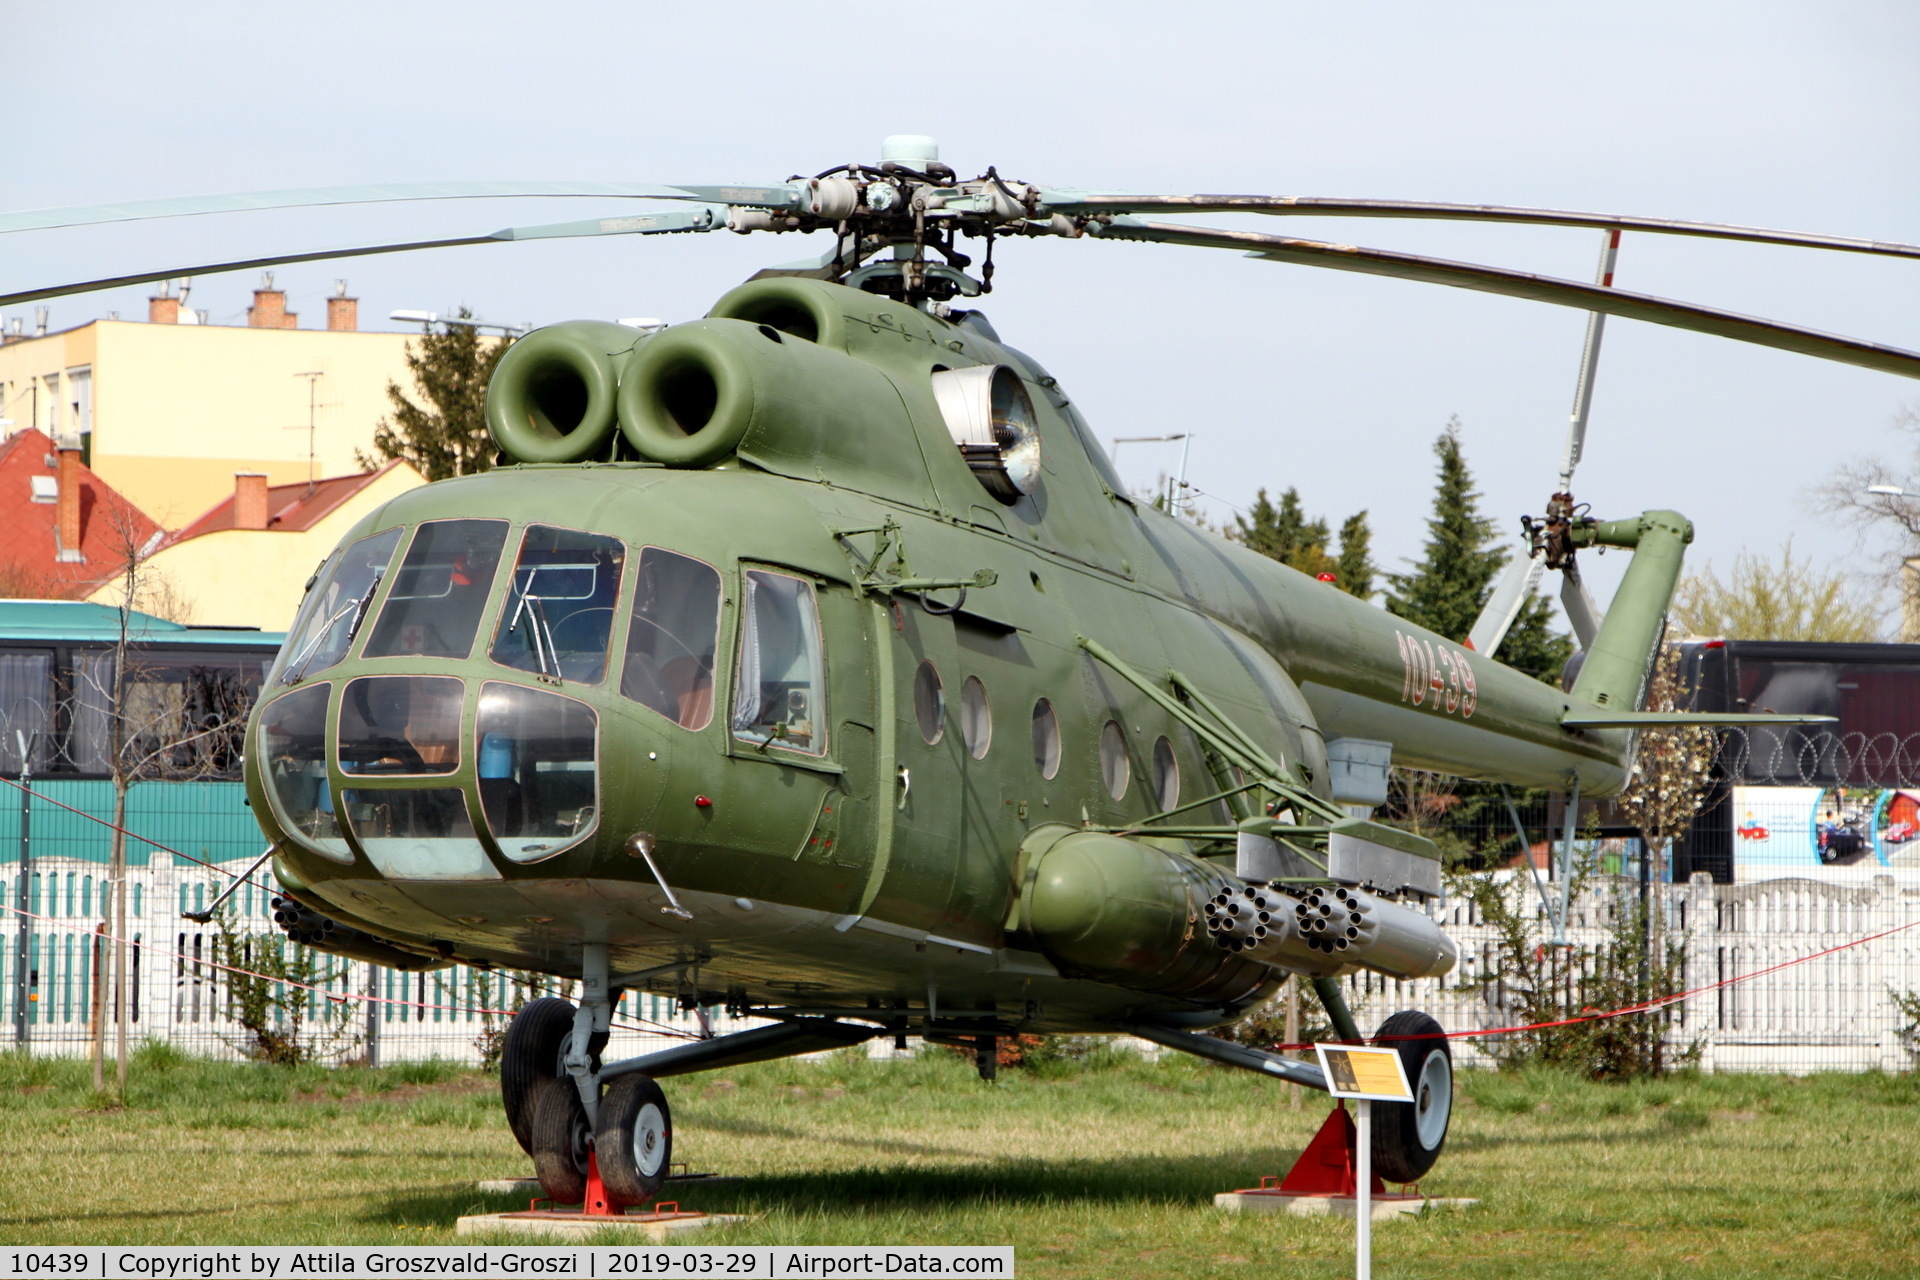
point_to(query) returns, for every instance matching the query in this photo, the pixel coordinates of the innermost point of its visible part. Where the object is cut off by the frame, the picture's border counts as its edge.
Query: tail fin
(1614, 675)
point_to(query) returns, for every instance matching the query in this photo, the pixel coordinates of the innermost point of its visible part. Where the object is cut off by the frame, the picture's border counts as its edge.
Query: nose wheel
(598, 1143)
(634, 1140)
(561, 1141)
(534, 1050)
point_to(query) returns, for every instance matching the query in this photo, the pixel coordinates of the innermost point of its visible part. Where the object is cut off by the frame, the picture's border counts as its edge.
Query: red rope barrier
(1649, 1006)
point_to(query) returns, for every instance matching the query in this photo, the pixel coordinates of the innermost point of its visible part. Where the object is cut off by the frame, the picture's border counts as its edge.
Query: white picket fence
(178, 995)
(1834, 1012)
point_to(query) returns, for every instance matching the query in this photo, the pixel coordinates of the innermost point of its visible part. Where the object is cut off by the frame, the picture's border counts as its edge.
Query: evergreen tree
(1284, 533)
(1354, 571)
(1532, 645)
(447, 437)
(1453, 578)
(1455, 574)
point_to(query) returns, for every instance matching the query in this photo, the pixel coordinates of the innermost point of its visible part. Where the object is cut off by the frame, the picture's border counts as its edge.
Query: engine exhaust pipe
(1327, 929)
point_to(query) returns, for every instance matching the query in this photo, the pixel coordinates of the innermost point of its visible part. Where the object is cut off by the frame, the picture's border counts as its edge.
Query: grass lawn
(1105, 1170)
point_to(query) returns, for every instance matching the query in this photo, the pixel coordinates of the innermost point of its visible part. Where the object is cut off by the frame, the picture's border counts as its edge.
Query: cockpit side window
(778, 689)
(440, 590)
(671, 640)
(559, 611)
(337, 606)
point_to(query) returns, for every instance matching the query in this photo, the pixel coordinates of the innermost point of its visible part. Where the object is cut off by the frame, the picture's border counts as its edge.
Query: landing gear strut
(610, 1150)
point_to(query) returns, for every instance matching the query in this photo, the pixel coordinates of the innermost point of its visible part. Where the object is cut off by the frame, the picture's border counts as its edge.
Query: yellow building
(247, 561)
(167, 412)
(230, 451)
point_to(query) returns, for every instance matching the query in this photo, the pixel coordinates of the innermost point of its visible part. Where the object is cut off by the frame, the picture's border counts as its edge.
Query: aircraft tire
(531, 1053)
(560, 1141)
(1408, 1136)
(635, 1139)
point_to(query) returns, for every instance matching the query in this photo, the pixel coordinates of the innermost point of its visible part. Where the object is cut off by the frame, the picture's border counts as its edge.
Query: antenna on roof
(313, 407)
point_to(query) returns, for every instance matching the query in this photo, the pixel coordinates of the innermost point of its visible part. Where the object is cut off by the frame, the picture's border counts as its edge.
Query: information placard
(1364, 1071)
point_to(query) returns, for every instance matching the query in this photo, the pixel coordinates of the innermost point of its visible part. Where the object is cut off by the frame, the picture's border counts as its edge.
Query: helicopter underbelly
(762, 953)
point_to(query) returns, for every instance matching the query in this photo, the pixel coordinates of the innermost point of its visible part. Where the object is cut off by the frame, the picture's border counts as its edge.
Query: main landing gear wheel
(561, 1139)
(634, 1140)
(1408, 1136)
(532, 1051)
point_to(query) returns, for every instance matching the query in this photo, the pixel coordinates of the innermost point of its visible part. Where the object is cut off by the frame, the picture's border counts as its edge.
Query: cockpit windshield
(776, 696)
(336, 606)
(440, 590)
(671, 640)
(559, 612)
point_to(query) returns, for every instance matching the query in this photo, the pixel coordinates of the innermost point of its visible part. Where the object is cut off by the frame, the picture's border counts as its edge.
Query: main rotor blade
(702, 219)
(1520, 284)
(310, 197)
(1317, 206)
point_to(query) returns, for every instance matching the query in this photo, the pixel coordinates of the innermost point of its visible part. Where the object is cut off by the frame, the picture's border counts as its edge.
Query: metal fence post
(23, 971)
(373, 1015)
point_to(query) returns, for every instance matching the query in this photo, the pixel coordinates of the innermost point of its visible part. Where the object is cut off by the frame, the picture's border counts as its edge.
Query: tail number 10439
(1436, 674)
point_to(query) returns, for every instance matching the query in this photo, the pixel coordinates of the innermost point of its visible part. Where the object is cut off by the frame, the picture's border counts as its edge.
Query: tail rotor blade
(1503, 606)
(1582, 612)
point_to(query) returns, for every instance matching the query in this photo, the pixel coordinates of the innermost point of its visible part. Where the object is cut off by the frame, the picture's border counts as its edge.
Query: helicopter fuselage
(791, 726)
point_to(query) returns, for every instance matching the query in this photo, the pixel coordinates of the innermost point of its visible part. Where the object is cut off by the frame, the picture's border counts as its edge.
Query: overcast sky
(1805, 116)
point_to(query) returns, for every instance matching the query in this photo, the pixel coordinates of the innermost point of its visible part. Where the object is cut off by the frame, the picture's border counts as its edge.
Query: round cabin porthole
(976, 718)
(929, 703)
(1114, 769)
(1166, 774)
(1046, 739)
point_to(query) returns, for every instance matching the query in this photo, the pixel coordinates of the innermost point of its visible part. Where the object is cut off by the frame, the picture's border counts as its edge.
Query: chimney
(163, 308)
(269, 309)
(67, 503)
(343, 313)
(249, 499)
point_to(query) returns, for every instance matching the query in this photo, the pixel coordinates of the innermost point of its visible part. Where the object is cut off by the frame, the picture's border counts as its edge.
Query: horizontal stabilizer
(1659, 719)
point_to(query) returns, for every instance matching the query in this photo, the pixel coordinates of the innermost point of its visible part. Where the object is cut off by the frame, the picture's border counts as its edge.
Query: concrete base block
(653, 1227)
(1385, 1208)
(531, 1186)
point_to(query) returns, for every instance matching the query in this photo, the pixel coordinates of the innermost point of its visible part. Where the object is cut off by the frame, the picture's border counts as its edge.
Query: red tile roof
(290, 508)
(29, 542)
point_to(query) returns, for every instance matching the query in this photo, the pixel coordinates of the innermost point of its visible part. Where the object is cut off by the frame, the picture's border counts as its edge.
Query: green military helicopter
(810, 659)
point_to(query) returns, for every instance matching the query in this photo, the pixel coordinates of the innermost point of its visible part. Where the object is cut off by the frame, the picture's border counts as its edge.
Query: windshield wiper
(358, 607)
(542, 645)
